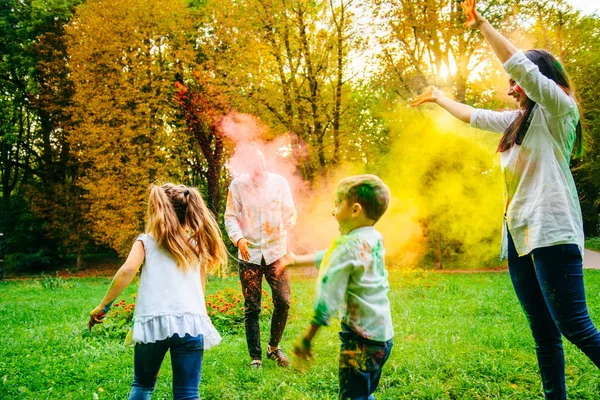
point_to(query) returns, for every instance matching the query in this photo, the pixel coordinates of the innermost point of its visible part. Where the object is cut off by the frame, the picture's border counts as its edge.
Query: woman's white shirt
(541, 202)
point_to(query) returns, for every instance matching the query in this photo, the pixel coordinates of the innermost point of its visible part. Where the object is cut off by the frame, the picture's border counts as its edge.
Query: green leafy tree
(289, 64)
(424, 43)
(34, 154)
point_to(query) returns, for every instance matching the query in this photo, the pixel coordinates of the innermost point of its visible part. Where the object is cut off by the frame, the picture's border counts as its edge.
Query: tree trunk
(79, 259)
(437, 250)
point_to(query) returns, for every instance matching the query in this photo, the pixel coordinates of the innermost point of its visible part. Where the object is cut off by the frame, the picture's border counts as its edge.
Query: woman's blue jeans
(549, 286)
(186, 361)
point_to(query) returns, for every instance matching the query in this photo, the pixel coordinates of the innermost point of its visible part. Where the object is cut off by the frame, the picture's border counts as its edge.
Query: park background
(100, 99)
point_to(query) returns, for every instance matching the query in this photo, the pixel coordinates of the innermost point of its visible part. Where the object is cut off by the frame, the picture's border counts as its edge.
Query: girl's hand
(96, 316)
(431, 95)
(474, 19)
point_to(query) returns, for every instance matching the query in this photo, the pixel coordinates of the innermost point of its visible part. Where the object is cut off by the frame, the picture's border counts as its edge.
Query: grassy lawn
(459, 336)
(592, 243)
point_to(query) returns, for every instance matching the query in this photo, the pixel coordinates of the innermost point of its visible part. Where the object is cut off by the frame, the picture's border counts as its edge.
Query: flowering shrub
(226, 309)
(118, 320)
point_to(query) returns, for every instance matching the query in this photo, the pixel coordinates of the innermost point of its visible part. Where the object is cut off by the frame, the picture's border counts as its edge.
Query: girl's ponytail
(205, 232)
(182, 224)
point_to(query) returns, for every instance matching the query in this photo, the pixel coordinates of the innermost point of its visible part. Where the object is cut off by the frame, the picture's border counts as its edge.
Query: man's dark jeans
(361, 363)
(251, 278)
(549, 285)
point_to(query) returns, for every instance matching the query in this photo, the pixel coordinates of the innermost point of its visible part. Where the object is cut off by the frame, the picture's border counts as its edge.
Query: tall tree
(290, 60)
(203, 107)
(423, 42)
(35, 86)
(125, 57)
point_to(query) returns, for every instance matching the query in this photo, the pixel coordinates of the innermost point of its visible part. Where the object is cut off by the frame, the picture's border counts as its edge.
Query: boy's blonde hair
(182, 224)
(367, 190)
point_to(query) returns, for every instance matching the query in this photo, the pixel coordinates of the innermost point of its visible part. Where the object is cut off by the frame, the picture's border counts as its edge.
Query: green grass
(592, 243)
(458, 336)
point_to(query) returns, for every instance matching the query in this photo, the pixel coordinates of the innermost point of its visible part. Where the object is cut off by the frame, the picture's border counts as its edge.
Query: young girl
(543, 225)
(182, 241)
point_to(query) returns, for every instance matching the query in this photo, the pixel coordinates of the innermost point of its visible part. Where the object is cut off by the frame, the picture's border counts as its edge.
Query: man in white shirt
(260, 210)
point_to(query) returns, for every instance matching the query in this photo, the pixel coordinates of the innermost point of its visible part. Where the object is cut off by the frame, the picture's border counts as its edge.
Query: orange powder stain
(269, 229)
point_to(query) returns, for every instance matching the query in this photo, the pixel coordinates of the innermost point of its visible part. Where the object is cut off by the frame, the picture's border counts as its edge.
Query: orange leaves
(182, 88)
(123, 74)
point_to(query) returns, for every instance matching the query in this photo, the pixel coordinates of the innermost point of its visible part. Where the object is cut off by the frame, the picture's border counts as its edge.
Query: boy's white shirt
(541, 202)
(261, 214)
(353, 279)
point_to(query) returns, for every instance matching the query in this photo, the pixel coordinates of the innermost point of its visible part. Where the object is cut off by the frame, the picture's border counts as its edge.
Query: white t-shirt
(169, 300)
(541, 203)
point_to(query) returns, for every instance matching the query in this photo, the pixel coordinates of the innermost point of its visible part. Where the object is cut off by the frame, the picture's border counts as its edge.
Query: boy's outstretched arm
(122, 279)
(293, 260)
(303, 346)
(303, 260)
(331, 291)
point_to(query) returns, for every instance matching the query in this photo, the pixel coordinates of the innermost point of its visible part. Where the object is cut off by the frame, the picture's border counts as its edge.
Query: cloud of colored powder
(444, 180)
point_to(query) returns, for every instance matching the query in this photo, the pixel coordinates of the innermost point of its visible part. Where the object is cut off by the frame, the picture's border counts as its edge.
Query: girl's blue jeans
(549, 286)
(186, 361)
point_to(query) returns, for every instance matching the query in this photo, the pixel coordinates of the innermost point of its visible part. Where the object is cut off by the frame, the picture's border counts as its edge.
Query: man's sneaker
(278, 356)
(256, 364)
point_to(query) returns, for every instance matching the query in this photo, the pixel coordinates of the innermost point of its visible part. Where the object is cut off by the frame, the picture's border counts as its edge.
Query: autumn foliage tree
(124, 59)
(35, 164)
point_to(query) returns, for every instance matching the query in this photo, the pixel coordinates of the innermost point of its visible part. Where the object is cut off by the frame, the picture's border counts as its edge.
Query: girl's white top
(169, 300)
(541, 203)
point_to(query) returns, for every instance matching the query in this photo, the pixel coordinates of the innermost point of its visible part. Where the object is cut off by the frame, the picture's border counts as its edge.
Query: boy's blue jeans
(186, 360)
(361, 363)
(549, 286)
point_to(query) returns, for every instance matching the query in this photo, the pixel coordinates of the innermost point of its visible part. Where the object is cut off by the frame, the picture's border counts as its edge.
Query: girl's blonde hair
(182, 224)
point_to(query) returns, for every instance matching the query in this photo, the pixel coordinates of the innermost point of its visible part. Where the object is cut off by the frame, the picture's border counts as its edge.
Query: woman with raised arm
(543, 228)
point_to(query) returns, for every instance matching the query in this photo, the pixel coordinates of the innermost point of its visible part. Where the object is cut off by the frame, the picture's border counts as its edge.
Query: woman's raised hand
(474, 19)
(430, 96)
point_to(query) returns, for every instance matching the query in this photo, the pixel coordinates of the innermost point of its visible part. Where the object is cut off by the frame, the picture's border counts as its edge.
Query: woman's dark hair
(552, 69)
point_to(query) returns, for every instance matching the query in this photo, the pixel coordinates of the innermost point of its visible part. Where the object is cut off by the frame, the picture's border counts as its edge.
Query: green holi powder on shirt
(377, 252)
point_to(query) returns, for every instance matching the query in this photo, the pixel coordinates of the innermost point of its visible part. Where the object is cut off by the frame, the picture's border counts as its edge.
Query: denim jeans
(549, 286)
(251, 279)
(361, 363)
(186, 360)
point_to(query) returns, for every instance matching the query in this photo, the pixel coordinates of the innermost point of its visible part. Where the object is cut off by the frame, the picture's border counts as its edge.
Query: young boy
(353, 278)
